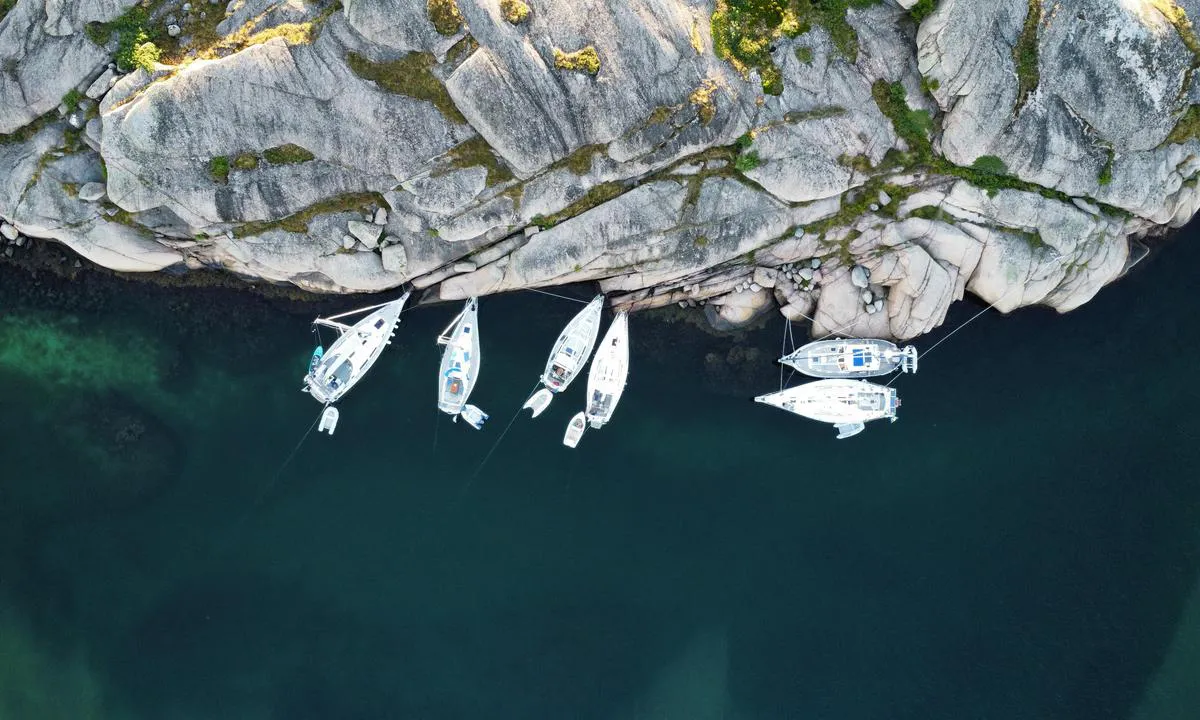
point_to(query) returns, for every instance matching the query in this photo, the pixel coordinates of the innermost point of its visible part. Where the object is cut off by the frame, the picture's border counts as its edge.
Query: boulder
(92, 192)
(366, 233)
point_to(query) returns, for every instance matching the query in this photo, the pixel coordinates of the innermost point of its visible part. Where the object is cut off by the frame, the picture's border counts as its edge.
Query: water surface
(1023, 543)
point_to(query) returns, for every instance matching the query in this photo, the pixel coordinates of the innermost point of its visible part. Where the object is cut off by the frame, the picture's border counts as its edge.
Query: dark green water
(1023, 543)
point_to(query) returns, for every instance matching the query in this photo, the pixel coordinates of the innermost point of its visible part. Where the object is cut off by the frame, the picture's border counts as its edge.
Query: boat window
(379, 323)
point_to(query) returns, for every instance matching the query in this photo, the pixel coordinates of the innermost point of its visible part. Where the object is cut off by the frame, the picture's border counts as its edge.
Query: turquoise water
(1023, 543)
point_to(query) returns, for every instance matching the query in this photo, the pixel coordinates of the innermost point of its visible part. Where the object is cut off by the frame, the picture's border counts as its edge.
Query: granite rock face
(1009, 149)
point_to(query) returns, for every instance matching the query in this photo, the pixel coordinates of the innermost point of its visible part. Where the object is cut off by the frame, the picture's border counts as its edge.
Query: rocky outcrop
(1010, 150)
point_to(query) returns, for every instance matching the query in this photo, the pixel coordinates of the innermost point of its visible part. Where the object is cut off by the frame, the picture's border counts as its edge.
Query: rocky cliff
(862, 162)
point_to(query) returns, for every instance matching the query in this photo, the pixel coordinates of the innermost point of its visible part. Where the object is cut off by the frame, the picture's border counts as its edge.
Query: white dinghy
(851, 358)
(575, 430)
(460, 366)
(845, 404)
(570, 353)
(606, 379)
(333, 372)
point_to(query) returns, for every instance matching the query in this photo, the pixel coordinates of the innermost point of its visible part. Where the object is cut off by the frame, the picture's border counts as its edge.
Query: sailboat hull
(573, 347)
(332, 373)
(610, 369)
(460, 360)
(844, 404)
(851, 358)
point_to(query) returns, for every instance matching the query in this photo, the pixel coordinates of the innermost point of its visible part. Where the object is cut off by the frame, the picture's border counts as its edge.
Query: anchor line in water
(495, 445)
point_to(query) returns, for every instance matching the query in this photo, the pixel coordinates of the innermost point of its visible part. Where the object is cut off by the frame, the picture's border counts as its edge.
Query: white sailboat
(845, 404)
(851, 358)
(460, 366)
(568, 356)
(332, 373)
(606, 380)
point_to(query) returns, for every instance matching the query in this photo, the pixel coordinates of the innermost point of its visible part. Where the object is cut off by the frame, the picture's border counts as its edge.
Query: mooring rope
(564, 297)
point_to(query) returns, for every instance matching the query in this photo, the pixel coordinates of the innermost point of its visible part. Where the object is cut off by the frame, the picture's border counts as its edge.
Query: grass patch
(585, 60)
(218, 169)
(931, 212)
(72, 99)
(923, 9)
(461, 50)
(514, 11)
(747, 161)
(990, 164)
(444, 15)
(1188, 127)
(287, 155)
(5, 6)
(700, 241)
(1105, 176)
(135, 39)
(804, 54)
(298, 222)
(1025, 55)
(702, 98)
(913, 126)
(245, 161)
(411, 75)
(598, 195)
(580, 161)
(477, 153)
(745, 31)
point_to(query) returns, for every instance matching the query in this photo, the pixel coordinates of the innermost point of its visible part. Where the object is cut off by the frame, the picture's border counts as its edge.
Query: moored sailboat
(606, 379)
(851, 358)
(333, 372)
(846, 404)
(568, 356)
(460, 366)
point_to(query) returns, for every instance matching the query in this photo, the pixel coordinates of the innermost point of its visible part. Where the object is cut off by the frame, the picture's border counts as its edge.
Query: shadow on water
(1019, 544)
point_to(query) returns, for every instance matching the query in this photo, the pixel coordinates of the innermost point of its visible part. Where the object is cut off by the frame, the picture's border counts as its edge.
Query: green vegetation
(412, 76)
(700, 241)
(584, 60)
(702, 98)
(744, 31)
(444, 15)
(598, 195)
(1025, 55)
(820, 113)
(990, 164)
(298, 222)
(514, 11)
(245, 161)
(804, 54)
(913, 126)
(218, 168)
(1105, 176)
(747, 161)
(580, 161)
(1188, 127)
(477, 153)
(135, 46)
(5, 6)
(931, 212)
(929, 85)
(71, 100)
(923, 9)
(287, 155)
(461, 50)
